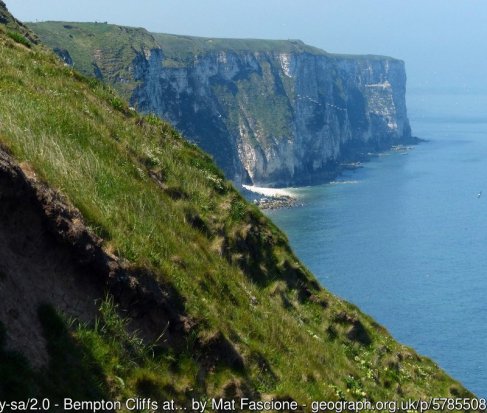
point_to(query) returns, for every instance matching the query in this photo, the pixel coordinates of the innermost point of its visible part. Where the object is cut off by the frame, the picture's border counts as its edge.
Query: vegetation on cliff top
(112, 48)
(161, 204)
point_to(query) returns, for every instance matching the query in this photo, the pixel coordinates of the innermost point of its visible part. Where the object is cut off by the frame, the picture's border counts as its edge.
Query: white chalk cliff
(271, 113)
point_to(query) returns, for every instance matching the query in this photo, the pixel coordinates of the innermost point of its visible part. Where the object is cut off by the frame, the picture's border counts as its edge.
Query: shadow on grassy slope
(72, 370)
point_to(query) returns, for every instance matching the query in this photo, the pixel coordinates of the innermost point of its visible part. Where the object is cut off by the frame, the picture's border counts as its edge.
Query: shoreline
(270, 192)
(272, 198)
(277, 198)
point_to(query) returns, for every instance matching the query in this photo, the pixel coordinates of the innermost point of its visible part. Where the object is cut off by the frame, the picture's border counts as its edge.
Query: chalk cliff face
(270, 112)
(278, 118)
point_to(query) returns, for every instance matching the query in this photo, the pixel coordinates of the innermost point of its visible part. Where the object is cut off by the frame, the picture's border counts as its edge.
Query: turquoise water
(405, 237)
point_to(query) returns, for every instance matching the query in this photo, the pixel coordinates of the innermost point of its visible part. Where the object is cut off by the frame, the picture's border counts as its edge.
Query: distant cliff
(270, 112)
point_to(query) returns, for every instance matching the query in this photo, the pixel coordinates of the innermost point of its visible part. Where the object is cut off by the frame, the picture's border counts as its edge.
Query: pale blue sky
(442, 42)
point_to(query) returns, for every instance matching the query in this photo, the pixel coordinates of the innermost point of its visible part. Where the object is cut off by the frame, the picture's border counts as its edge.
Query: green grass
(232, 266)
(109, 48)
(177, 47)
(19, 38)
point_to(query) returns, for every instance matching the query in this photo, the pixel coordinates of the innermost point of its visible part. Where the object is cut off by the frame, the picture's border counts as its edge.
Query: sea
(405, 236)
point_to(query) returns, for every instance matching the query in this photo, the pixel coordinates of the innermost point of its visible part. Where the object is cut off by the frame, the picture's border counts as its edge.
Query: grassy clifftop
(254, 320)
(110, 49)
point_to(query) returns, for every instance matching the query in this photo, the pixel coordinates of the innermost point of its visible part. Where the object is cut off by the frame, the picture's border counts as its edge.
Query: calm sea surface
(405, 237)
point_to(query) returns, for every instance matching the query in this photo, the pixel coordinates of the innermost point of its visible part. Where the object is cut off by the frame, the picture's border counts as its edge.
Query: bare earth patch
(35, 270)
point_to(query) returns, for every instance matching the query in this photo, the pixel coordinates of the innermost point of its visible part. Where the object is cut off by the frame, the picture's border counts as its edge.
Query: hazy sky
(442, 42)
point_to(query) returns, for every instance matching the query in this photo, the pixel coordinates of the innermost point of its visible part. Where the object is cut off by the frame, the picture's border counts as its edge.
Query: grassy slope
(110, 48)
(231, 270)
(13, 26)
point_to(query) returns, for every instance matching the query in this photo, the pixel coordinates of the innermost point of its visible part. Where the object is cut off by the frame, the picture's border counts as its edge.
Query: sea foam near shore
(271, 192)
(273, 198)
